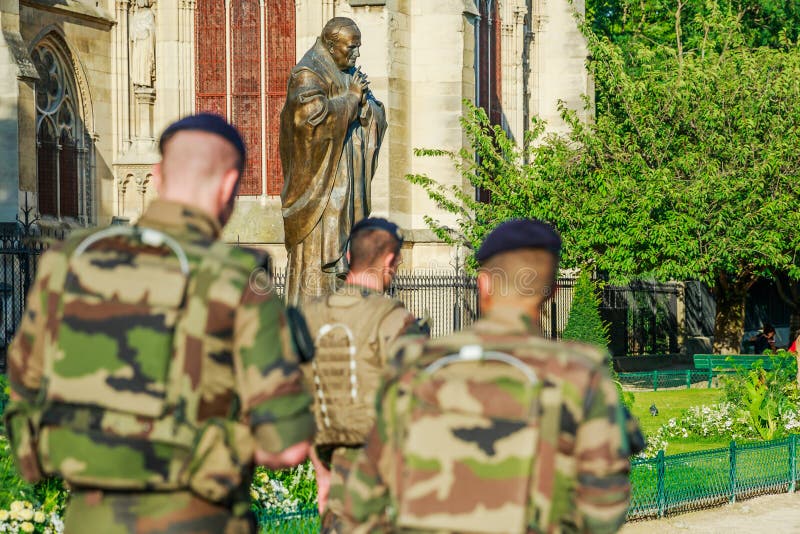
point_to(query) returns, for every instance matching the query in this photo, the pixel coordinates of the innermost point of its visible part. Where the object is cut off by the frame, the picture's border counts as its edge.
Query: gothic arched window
(62, 144)
(243, 56)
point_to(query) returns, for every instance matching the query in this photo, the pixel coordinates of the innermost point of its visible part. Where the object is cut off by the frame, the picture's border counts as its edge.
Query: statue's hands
(359, 85)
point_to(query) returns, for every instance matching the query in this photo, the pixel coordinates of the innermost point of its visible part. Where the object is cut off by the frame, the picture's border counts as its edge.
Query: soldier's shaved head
(194, 156)
(200, 169)
(368, 247)
(523, 278)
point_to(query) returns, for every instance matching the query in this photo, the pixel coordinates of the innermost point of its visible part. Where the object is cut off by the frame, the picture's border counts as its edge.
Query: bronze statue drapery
(331, 132)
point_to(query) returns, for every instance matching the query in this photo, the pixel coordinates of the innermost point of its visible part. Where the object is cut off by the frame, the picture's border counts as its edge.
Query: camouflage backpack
(116, 407)
(347, 366)
(468, 436)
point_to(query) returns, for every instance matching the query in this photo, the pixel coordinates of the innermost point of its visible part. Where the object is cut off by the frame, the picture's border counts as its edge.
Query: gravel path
(772, 514)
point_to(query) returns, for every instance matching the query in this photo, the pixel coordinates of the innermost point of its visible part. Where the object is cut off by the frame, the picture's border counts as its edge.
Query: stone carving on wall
(143, 44)
(134, 191)
(142, 37)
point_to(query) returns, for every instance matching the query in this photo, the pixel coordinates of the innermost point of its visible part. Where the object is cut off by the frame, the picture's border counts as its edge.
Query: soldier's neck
(369, 279)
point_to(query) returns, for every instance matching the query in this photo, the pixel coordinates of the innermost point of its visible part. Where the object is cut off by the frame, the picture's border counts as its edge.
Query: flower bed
(38, 508)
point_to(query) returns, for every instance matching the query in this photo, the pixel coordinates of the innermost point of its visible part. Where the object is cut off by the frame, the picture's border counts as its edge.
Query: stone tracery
(62, 143)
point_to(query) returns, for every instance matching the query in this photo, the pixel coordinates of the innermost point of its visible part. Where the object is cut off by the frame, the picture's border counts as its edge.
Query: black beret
(519, 233)
(378, 223)
(206, 122)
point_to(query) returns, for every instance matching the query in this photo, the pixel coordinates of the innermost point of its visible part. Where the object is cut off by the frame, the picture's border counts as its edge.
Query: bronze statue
(331, 132)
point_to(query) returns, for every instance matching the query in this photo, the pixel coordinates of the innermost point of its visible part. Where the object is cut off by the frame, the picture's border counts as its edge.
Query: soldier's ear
(388, 260)
(158, 179)
(228, 186)
(484, 291)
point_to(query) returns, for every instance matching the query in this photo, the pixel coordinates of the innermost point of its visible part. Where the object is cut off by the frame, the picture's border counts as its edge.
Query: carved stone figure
(331, 131)
(143, 44)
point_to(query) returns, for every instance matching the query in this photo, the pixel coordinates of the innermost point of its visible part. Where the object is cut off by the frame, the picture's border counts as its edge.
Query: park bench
(729, 362)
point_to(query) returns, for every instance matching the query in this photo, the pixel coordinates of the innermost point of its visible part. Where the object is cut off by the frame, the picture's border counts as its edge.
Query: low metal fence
(689, 481)
(667, 379)
(667, 485)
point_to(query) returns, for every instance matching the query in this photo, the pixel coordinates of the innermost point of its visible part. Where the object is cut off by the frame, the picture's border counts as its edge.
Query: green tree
(584, 323)
(772, 23)
(689, 171)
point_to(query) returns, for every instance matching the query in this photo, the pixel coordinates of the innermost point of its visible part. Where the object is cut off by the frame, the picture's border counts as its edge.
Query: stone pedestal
(145, 98)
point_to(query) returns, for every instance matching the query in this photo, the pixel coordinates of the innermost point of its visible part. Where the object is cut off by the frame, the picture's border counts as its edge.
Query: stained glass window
(256, 90)
(62, 144)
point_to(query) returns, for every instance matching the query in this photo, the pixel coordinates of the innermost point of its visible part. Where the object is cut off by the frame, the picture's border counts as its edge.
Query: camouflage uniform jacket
(451, 476)
(229, 351)
(376, 322)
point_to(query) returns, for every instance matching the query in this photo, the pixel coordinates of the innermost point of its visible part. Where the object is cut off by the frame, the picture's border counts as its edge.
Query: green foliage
(671, 403)
(48, 496)
(773, 23)
(766, 396)
(5, 390)
(689, 171)
(284, 491)
(584, 323)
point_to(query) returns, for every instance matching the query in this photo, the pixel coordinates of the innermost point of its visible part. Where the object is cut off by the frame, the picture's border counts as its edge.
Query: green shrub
(39, 505)
(585, 325)
(5, 391)
(766, 396)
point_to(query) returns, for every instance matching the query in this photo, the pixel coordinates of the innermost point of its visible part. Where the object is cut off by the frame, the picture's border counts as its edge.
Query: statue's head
(342, 39)
(142, 3)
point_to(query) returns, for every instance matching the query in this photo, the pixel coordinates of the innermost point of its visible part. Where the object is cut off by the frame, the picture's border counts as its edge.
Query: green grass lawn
(671, 404)
(704, 477)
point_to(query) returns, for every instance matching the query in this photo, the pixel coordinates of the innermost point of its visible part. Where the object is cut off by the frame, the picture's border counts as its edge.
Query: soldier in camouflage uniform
(495, 429)
(354, 329)
(154, 366)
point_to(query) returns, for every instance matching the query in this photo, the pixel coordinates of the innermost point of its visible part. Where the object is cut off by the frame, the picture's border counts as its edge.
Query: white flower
(39, 516)
(57, 523)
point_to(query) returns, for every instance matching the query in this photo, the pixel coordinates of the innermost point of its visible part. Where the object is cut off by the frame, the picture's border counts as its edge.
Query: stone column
(17, 75)
(120, 83)
(512, 20)
(558, 61)
(186, 39)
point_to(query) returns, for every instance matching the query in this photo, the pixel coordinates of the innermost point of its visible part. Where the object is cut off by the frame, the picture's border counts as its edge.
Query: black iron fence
(447, 300)
(19, 254)
(642, 316)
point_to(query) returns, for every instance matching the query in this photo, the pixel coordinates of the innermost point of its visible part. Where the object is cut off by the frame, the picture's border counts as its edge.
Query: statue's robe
(329, 147)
